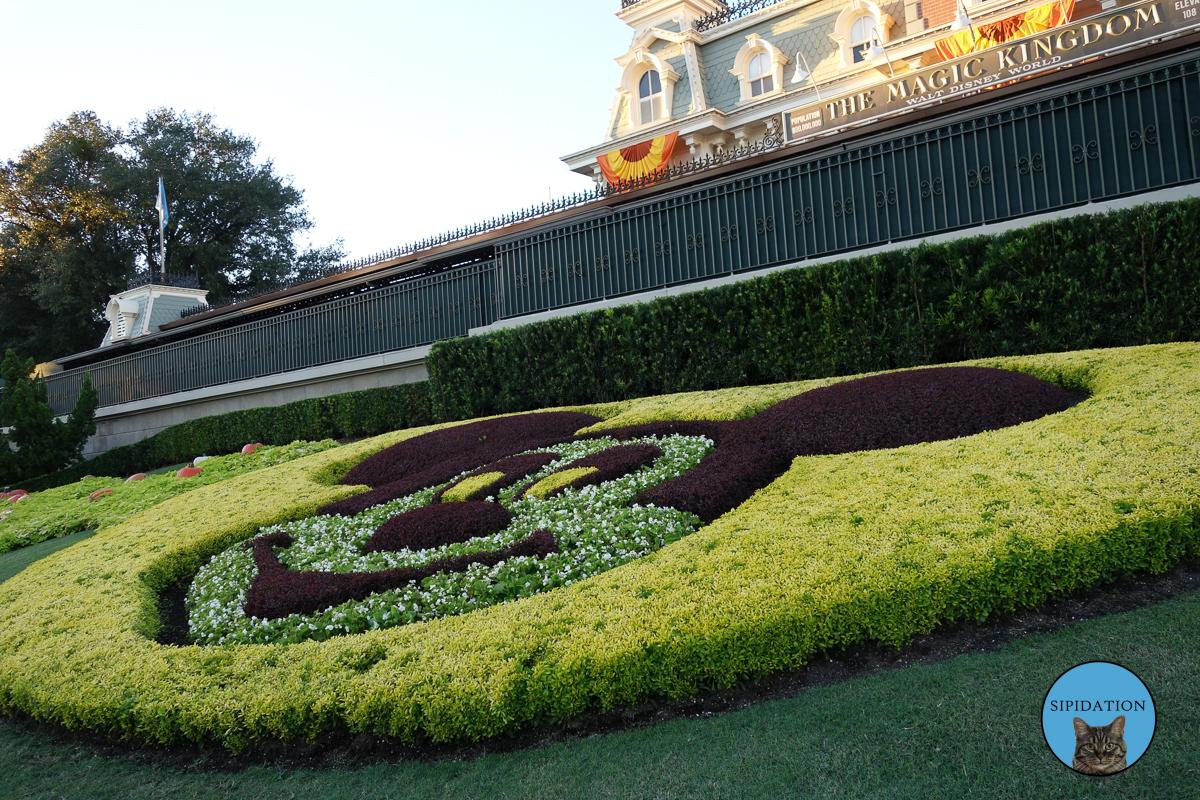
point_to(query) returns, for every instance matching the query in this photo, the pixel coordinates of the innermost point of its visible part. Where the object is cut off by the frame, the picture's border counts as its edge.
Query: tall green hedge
(365, 413)
(1123, 278)
(1127, 277)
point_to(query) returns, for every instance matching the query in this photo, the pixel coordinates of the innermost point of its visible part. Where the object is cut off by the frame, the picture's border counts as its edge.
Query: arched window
(650, 97)
(758, 67)
(856, 27)
(761, 74)
(860, 36)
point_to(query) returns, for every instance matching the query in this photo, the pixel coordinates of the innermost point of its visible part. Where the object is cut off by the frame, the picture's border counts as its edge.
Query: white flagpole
(161, 205)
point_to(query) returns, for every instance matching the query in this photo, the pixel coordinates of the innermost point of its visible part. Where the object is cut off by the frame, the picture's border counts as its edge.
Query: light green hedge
(876, 546)
(67, 509)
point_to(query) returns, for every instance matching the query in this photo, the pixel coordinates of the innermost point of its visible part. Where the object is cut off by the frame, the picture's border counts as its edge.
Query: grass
(16, 560)
(66, 509)
(968, 727)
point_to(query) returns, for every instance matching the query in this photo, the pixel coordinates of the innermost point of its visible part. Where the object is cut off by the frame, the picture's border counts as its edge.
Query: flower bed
(360, 568)
(840, 548)
(67, 509)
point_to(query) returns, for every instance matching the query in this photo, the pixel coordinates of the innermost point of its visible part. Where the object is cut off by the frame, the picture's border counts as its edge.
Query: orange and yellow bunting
(1027, 23)
(637, 160)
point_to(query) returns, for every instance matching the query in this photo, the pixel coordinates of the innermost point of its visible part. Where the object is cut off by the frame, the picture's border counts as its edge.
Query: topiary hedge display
(842, 547)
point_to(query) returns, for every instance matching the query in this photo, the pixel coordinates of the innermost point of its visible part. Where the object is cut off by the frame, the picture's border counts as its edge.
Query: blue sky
(398, 119)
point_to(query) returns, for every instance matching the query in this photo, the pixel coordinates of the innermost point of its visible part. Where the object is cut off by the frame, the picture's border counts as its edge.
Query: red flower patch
(610, 464)
(438, 524)
(277, 591)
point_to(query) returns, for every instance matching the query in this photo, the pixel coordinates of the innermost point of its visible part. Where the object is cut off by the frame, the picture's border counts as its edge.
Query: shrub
(1128, 277)
(35, 442)
(857, 547)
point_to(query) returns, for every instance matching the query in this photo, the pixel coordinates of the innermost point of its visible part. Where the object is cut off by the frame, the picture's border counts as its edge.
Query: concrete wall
(131, 422)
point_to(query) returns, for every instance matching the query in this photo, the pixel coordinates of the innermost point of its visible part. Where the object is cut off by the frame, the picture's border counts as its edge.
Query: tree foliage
(32, 441)
(77, 219)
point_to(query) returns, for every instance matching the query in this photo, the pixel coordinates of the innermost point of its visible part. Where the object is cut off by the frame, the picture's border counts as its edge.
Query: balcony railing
(770, 142)
(730, 13)
(181, 280)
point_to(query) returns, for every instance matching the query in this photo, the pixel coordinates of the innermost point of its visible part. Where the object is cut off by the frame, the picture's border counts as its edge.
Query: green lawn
(969, 727)
(16, 560)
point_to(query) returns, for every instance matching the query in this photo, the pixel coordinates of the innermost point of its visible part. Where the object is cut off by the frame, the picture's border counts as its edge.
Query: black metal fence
(1115, 138)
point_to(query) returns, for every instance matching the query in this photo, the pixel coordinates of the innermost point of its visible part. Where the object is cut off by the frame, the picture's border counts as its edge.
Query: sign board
(1020, 58)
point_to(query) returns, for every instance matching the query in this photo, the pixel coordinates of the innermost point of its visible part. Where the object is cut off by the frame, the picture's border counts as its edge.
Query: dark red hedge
(436, 457)
(882, 411)
(514, 468)
(437, 524)
(610, 464)
(277, 591)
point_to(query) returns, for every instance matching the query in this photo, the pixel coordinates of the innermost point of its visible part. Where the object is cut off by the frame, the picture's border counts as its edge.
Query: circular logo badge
(1098, 718)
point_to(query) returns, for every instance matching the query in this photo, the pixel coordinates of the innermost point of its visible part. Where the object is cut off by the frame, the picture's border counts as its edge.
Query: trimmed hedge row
(366, 413)
(877, 546)
(1128, 277)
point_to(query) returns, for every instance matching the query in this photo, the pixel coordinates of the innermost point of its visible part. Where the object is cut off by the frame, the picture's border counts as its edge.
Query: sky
(398, 120)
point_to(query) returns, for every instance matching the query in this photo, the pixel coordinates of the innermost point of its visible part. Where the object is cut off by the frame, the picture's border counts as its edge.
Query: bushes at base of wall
(366, 413)
(1127, 277)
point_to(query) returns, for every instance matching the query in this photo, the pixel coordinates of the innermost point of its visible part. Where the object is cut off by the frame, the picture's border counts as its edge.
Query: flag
(160, 206)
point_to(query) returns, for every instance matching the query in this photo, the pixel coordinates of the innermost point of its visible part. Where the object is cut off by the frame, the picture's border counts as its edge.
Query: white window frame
(755, 47)
(637, 63)
(874, 20)
(648, 104)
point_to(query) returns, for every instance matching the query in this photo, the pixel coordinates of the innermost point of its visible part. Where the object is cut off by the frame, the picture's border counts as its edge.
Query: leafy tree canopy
(77, 219)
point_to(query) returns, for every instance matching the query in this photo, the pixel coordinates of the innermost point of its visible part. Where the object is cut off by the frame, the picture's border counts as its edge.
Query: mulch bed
(830, 668)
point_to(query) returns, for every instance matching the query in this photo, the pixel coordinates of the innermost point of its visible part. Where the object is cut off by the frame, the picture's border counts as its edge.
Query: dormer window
(860, 36)
(650, 98)
(761, 75)
(758, 67)
(647, 90)
(859, 23)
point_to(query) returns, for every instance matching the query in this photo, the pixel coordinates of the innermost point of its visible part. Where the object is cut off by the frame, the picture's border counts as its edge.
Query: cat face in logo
(1100, 749)
(487, 469)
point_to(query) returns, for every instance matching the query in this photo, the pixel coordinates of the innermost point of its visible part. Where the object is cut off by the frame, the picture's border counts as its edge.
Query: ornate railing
(771, 141)
(729, 13)
(182, 280)
(628, 3)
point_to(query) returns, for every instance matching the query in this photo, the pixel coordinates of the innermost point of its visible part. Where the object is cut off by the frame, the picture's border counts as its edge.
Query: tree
(232, 221)
(77, 219)
(63, 241)
(36, 443)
